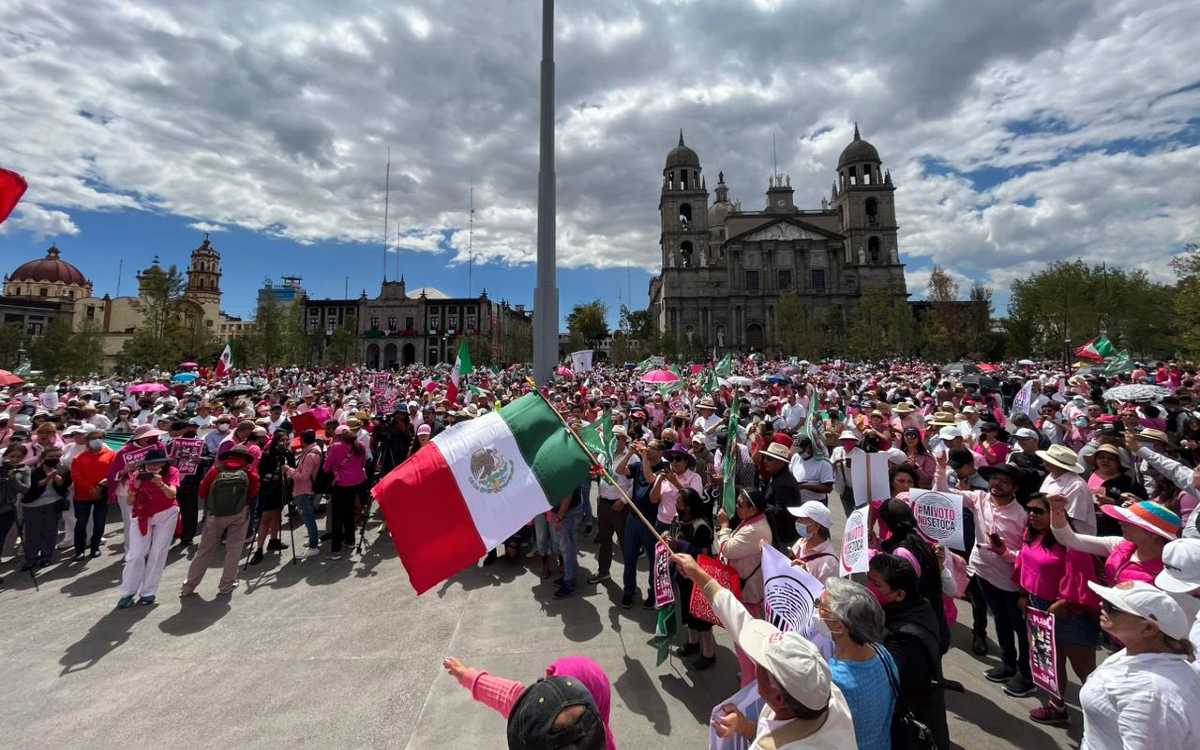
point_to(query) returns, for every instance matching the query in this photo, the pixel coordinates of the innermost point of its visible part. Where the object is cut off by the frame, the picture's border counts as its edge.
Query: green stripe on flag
(556, 459)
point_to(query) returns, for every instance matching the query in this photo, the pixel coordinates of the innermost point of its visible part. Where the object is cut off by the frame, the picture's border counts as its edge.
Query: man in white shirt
(707, 422)
(813, 475)
(94, 418)
(1063, 478)
(969, 426)
(793, 413)
(804, 709)
(204, 419)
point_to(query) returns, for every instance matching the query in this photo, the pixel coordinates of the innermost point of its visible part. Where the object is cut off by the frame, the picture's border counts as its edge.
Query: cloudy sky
(1018, 133)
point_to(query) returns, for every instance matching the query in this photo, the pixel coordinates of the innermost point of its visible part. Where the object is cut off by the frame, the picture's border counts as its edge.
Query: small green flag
(667, 389)
(724, 368)
(599, 439)
(645, 365)
(1119, 363)
(809, 429)
(729, 463)
(709, 383)
(665, 631)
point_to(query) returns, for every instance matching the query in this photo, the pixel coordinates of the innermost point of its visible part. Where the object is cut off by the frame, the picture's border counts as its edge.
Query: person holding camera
(14, 483)
(49, 483)
(153, 511)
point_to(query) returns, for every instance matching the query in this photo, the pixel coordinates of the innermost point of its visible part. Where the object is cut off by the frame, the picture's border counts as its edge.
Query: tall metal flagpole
(471, 241)
(545, 295)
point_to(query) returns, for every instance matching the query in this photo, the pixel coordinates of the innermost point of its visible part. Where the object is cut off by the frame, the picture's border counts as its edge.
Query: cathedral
(723, 267)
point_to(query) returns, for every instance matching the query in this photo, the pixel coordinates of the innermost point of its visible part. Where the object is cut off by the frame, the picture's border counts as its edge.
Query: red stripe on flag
(428, 519)
(12, 187)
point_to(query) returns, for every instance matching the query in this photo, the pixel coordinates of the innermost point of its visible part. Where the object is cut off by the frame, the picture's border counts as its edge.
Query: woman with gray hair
(849, 613)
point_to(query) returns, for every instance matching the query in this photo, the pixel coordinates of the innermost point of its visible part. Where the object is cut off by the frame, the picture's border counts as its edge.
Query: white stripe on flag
(496, 514)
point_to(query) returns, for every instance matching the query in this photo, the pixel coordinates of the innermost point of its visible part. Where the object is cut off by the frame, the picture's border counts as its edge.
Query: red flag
(12, 187)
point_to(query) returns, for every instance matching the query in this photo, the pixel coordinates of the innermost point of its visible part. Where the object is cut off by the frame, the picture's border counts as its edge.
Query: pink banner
(1043, 650)
(664, 594)
(186, 452)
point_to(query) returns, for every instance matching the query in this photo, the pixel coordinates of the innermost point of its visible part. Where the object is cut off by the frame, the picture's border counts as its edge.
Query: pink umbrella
(188, 365)
(660, 376)
(565, 372)
(147, 388)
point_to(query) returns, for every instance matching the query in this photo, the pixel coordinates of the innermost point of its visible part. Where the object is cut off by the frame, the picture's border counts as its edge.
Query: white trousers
(126, 517)
(146, 555)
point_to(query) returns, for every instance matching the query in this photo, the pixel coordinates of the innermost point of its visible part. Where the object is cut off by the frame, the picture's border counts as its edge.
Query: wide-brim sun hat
(776, 451)
(1147, 515)
(1062, 457)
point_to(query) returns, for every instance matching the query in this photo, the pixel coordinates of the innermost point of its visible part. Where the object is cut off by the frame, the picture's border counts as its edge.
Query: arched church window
(872, 208)
(853, 175)
(685, 214)
(873, 249)
(866, 175)
(685, 251)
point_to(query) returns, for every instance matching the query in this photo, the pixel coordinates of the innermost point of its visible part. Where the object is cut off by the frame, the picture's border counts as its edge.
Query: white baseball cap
(792, 660)
(1141, 599)
(1181, 567)
(1025, 432)
(814, 511)
(949, 433)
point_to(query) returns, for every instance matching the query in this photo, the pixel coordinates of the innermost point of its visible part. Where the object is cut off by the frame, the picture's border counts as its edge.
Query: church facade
(723, 268)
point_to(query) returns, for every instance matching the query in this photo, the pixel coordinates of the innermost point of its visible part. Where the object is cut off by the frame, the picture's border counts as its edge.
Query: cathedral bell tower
(683, 207)
(204, 273)
(865, 200)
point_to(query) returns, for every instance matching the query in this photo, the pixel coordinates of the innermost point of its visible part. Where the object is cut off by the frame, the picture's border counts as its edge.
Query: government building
(723, 267)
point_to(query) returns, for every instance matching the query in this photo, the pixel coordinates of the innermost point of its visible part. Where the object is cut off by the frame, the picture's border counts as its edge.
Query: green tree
(796, 330)
(588, 324)
(516, 341)
(14, 339)
(1186, 299)
(168, 321)
(878, 326)
(342, 349)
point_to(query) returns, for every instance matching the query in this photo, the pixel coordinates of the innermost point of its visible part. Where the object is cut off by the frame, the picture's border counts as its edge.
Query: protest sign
(581, 361)
(856, 552)
(750, 703)
(186, 452)
(135, 456)
(664, 594)
(939, 517)
(790, 593)
(869, 478)
(722, 574)
(1024, 399)
(1043, 650)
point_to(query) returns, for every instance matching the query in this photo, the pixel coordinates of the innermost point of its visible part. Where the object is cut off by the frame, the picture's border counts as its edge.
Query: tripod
(24, 543)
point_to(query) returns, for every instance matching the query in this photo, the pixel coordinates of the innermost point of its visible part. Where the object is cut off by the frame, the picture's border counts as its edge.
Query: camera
(145, 476)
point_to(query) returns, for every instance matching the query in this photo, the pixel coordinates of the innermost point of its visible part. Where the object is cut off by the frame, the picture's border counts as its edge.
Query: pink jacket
(306, 472)
(348, 468)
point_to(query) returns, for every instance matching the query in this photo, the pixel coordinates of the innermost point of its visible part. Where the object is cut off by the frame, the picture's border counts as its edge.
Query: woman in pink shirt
(502, 694)
(347, 461)
(1054, 579)
(667, 485)
(154, 514)
(1136, 555)
(992, 446)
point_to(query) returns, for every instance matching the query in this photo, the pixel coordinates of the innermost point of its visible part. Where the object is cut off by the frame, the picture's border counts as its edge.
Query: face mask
(802, 530)
(1081, 422)
(222, 428)
(820, 627)
(95, 444)
(879, 596)
(50, 463)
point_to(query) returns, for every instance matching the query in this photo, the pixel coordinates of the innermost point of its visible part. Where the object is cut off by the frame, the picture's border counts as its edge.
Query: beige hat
(943, 419)
(1157, 436)
(1062, 457)
(904, 408)
(777, 451)
(847, 435)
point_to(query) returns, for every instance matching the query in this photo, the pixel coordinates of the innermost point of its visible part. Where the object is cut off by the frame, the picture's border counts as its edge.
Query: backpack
(323, 481)
(227, 495)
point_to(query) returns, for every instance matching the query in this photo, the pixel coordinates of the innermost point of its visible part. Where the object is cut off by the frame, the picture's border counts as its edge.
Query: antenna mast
(120, 269)
(387, 194)
(774, 157)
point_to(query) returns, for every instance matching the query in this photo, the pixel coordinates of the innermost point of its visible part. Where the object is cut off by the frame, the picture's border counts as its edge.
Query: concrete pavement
(342, 654)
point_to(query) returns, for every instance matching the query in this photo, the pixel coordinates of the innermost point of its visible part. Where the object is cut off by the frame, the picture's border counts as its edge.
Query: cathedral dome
(682, 156)
(50, 269)
(858, 150)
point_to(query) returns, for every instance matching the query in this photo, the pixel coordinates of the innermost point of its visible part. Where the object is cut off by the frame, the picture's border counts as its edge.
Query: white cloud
(204, 226)
(39, 221)
(275, 117)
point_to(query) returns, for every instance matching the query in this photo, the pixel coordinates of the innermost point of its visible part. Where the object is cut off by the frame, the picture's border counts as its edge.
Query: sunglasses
(1036, 511)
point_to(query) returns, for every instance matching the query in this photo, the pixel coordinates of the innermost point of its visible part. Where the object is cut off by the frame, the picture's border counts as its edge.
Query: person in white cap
(814, 551)
(1180, 577)
(1146, 694)
(804, 709)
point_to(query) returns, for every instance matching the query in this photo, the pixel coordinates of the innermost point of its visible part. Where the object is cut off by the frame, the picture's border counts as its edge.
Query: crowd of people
(1076, 504)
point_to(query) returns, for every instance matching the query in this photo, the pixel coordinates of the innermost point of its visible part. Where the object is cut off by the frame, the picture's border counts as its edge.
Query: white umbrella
(1025, 362)
(737, 380)
(1136, 392)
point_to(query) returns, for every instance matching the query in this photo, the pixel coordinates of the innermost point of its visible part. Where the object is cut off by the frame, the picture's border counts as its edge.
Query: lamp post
(545, 295)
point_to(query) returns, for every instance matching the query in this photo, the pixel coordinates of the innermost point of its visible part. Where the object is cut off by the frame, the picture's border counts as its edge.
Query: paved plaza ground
(343, 655)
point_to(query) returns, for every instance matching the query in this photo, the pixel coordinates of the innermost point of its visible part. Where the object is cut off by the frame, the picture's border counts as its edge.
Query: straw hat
(1062, 457)
(943, 419)
(776, 451)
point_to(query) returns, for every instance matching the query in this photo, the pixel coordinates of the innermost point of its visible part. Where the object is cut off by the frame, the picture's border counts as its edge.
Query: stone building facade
(723, 267)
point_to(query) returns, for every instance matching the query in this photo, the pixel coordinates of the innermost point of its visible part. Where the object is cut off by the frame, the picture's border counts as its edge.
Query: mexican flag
(462, 368)
(224, 364)
(474, 486)
(598, 437)
(729, 463)
(724, 368)
(12, 187)
(810, 430)
(1096, 350)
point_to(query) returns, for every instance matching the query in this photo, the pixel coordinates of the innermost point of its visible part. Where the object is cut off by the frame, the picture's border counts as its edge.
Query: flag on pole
(729, 463)
(724, 368)
(462, 368)
(645, 364)
(489, 476)
(709, 383)
(1096, 350)
(665, 631)
(598, 437)
(224, 363)
(809, 429)
(12, 187)
(1024, 399)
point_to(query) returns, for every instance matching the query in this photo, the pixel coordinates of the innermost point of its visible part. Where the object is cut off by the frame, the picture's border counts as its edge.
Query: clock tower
(779, 195)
